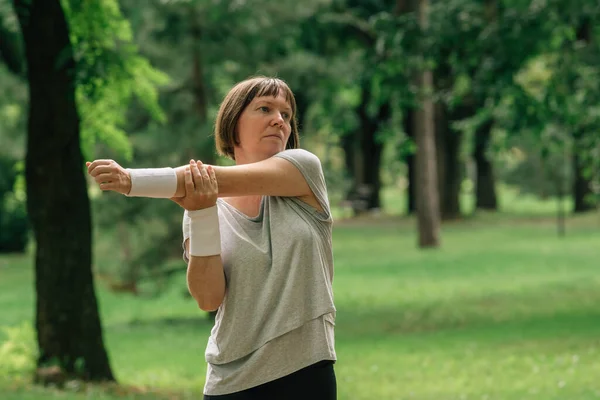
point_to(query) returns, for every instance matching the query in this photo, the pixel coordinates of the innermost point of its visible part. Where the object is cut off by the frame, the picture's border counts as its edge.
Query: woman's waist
(233, 338)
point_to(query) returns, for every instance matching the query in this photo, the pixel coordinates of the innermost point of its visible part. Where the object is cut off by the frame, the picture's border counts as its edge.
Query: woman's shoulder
(302, 159)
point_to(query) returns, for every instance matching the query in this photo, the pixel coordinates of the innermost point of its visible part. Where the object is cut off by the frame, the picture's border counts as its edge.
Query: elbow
(209, 306)
(207, 300)
(210, 303)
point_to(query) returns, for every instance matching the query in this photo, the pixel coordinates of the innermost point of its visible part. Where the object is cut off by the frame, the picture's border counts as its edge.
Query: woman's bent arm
(206, 280)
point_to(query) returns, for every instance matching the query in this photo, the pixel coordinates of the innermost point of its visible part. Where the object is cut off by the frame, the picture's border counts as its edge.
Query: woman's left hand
(201, 188)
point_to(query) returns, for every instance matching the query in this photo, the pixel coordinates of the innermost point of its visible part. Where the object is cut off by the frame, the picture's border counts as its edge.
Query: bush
(14, 226)
(18, 353)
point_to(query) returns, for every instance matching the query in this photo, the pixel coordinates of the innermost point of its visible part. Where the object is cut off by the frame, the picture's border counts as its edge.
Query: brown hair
(236, 101)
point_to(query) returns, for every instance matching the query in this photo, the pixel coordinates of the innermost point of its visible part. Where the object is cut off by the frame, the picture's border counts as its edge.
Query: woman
(257, 239)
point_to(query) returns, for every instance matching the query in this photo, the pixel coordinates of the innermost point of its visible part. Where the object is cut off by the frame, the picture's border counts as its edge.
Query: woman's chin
(273, 148)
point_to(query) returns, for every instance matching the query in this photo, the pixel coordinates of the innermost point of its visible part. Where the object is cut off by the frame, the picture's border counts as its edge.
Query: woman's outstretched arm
(271, 177)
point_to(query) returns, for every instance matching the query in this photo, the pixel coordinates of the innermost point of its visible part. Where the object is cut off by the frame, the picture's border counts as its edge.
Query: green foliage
(553, 106)
(14, 225)
(110, 72)
(14, 228)
(13, 115)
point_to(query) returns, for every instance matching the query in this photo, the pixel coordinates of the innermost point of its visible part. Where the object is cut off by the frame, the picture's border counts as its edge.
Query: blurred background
(460, 140)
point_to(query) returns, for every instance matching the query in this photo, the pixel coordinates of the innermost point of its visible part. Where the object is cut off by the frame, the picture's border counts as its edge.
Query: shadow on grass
(425, 325)
(202, 321)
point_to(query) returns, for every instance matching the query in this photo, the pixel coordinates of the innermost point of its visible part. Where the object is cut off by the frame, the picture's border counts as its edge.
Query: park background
(460, 143)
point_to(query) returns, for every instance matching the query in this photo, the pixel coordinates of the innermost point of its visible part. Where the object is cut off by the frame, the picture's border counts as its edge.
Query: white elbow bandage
(205, 235)
(153, 182)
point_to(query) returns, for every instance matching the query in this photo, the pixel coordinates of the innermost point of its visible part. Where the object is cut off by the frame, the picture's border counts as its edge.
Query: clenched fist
(110, 176)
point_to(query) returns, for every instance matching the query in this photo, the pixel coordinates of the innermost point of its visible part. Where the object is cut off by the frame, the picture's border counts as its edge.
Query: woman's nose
(278, 119)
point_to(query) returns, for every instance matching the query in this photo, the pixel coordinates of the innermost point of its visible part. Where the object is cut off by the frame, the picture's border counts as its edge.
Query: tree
(349, 27)
(428, 209)
(582, 182)
(69, 333)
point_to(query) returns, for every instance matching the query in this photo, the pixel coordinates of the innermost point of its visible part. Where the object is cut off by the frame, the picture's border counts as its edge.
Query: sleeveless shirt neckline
(258, 218)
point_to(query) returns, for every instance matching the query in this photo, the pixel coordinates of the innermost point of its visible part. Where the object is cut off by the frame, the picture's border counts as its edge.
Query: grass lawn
(504, 310)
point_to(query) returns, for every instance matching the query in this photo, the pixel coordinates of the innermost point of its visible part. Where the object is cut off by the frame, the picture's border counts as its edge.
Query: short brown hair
(236, 101)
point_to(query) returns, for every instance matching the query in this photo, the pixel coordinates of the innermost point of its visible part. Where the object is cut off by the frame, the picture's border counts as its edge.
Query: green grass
(504, 310)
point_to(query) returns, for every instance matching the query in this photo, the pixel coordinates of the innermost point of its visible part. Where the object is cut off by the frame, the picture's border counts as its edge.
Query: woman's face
(263, 129)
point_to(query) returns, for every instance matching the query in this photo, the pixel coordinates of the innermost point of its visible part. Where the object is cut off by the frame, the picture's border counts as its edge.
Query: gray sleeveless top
(279, 271)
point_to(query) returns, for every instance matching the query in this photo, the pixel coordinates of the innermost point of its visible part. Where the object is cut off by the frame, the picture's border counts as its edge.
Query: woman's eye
(264, 109)
(286, 115)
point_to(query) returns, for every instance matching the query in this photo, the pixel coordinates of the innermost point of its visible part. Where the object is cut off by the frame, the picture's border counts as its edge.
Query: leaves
(110, 73)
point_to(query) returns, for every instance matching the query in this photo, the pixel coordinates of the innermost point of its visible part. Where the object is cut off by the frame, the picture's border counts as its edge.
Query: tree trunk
(372, 149)
(581, 187)
(485, 183)
(200, 91)
(69, 332)
(449, 166)
(411, 190)
(352, 160)
(428, 204)
(403, 7)
(362, 153)
(581, 183)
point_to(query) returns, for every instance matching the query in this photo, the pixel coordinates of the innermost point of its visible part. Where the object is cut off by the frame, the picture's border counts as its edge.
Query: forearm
(226, 180)
(180, 172)
(271, 177)
(205, 275)
(232, 181)
(206, 281)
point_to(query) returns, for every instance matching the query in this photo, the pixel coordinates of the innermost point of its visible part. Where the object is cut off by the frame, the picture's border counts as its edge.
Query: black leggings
(315, 382)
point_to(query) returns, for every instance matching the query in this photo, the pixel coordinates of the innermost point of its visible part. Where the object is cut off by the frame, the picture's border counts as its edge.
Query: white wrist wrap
(153, 182)
(205, 236)
(185, 228)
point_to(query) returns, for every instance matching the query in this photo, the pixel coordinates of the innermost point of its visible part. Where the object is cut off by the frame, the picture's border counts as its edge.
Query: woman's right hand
(201, 188)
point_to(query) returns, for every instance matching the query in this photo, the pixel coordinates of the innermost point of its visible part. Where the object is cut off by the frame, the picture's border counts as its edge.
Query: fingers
(189, 182)
(205, 175)
(103, 169)
(97, 163)
(105, 186)
(197, 175)
(212, 176)
(104, 178)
